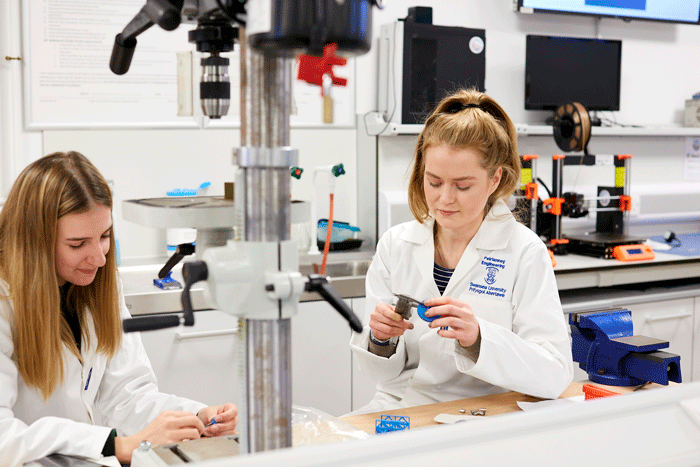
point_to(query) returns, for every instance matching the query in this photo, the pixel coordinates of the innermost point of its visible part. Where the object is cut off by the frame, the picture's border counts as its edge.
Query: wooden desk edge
(495, 404)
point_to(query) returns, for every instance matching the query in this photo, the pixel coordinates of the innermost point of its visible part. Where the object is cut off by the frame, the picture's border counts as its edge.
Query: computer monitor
(569, 69)
(675, 11)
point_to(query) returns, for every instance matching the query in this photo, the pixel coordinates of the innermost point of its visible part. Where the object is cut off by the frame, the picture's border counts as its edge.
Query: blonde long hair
(468, 118)
(46, 190)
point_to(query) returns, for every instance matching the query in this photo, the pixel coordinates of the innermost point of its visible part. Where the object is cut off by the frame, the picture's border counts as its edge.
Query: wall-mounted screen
(570, 69)
(676, 11)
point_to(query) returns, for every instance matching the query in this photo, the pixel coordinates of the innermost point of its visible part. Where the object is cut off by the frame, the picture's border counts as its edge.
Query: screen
(677, 11)
(568, 69)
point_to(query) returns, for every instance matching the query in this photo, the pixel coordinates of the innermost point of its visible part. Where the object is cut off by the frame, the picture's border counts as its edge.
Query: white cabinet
(670, 320)
(363, 388)
(324, 374)
(197, 362)
(321, 358)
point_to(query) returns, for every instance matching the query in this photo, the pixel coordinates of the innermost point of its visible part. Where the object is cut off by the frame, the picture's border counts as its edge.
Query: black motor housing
(307, 26)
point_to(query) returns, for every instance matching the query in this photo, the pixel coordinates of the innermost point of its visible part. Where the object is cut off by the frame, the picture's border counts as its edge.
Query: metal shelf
(671, 131)
(376, 126)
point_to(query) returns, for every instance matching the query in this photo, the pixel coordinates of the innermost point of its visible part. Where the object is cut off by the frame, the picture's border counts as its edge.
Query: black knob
(122, 53)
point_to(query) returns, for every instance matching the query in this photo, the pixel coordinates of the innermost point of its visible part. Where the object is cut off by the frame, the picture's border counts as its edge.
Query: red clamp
(312, 68)
(553, 205)
(625, 203)
(531, 191)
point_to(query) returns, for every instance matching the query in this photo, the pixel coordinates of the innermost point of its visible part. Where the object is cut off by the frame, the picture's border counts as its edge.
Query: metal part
(256, 278)
(185, 452)
(268, 389)
(215, 86)
(280, 157)
(478, 412)
(404, 306)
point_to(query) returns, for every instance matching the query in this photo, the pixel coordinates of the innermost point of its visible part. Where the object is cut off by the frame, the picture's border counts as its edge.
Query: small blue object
(421, 312)
(213, 422)
(167, 283)
(387, 423)
(188, 191)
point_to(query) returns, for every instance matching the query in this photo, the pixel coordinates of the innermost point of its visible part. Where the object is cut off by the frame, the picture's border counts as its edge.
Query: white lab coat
(506, 276)
(95, 397)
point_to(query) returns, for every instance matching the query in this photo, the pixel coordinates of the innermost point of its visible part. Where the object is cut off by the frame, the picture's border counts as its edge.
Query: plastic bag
(313, 426)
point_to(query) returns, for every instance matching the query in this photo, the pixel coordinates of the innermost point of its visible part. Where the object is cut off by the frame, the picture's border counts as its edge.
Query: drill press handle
(318, 283)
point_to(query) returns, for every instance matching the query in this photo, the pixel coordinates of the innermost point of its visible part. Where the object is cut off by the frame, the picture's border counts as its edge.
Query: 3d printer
(613, 202)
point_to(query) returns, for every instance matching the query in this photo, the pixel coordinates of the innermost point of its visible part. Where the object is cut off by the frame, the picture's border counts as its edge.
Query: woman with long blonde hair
(70, 381)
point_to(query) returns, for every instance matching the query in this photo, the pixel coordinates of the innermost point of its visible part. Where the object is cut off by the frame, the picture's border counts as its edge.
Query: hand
(456, 314)
(226, 417)
(386, 323)
(168, 427)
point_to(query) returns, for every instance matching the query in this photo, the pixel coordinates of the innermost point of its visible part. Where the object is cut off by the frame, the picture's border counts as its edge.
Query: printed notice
(68, 80)
(692, 159)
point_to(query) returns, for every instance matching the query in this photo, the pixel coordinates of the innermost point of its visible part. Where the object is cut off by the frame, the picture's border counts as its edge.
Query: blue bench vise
(605, 347)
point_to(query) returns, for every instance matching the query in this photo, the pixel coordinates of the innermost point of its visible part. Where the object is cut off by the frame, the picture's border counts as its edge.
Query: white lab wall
(658, 70)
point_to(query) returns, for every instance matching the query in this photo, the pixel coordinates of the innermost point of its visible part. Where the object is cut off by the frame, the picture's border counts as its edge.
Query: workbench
(495, 404)
(578, 272)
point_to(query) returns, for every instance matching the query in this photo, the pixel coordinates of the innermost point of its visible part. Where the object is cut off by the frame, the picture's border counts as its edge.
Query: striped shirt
(442, 277)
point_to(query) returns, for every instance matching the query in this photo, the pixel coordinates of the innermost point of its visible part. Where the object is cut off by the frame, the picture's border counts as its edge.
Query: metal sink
(341, 269)
(346, 277)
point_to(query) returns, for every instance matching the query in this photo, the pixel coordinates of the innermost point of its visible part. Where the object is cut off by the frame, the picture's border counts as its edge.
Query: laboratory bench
(663, 295)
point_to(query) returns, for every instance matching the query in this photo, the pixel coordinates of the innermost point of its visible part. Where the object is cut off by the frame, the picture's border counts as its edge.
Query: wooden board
(495, 404)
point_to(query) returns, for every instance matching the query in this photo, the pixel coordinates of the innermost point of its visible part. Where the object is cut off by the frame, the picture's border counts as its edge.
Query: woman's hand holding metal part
(385, 323)
(219, 420)
(168, 427)
(457, 316)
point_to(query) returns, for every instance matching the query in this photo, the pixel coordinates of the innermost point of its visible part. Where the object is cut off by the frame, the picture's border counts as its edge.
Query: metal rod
(269, 392)
(557, 165)
(265, 344)
(596, 198)
(603, 209)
